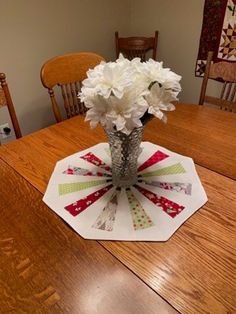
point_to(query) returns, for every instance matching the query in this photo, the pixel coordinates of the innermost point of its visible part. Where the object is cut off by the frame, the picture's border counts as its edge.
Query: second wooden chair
(225, 72)
(67, 71)
(132, 47)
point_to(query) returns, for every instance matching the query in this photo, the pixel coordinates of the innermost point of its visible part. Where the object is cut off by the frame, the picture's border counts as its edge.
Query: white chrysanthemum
(98, 108)
(110, 78)
(118, 94)
(153, 71)
(122, 114)
(160, 99)
(122, 60)
(125, 113)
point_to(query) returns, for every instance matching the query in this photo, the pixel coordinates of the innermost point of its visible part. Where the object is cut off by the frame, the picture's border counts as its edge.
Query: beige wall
(33, 31)
(179, 23)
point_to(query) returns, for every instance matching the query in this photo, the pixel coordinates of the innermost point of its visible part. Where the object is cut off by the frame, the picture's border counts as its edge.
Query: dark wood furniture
(6, 100)
(49, 268)
(224, 72)
(67, 71)
(132, 47)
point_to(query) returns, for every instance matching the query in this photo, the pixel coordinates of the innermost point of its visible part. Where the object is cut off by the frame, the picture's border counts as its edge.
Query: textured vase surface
(125, 150)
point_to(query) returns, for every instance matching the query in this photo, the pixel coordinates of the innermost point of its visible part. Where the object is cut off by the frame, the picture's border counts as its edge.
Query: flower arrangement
(124, 94)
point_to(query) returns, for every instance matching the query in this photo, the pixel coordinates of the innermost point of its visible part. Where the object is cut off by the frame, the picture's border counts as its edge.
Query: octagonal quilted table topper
(167, 193)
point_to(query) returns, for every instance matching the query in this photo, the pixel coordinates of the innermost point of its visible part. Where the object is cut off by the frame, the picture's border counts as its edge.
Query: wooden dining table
(46, 267)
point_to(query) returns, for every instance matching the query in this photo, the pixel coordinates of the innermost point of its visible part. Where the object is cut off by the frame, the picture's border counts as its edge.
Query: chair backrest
(132, 47)
(224, 72)
(5, 100)
(67, 72)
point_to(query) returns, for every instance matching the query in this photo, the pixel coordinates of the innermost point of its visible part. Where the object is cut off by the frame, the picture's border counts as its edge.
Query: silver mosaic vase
(125, 150)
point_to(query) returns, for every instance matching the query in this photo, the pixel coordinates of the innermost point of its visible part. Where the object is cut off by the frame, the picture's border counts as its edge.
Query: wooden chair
(5, 100)
(225, 72)
(132, 47)
(67, 71)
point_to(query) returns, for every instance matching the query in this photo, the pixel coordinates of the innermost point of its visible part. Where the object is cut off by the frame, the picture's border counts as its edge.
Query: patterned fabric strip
(77, 207)
(140, 219)
(90, 157)
(185, 188)
(106, 219)
(173, 169)
(155, 158)
(66, 188)
(84, 172)
(171, 208)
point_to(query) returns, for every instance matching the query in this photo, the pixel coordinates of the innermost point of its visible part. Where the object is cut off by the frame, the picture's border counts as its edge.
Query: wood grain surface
(2, 98)
(205, 134)
(195, 270)
(45, 267)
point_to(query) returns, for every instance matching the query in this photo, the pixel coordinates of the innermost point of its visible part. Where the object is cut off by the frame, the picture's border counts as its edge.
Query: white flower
(118, 94)
(125, 113)
(110, 78)
(98, 109)
(159, 99)
(153, 71)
